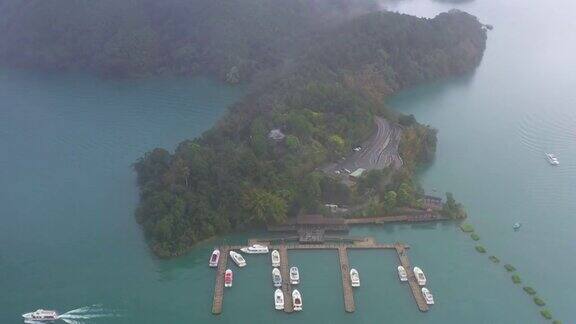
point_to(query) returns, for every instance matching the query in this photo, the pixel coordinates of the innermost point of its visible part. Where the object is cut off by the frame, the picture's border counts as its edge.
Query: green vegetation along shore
(235, 175)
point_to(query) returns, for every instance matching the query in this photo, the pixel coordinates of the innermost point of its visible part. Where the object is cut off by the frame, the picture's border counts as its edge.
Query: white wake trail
(86, 313)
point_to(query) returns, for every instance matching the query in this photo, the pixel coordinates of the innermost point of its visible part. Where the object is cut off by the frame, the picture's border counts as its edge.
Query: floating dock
(286, 286)
(412, 281)
(219, 285)
(346, 285)
(415, 218)
(342, 247)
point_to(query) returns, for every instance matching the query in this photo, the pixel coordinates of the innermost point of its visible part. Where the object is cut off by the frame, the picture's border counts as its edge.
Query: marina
(342, 247)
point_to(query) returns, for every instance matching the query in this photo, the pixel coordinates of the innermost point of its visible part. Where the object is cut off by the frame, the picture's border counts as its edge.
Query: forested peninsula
(319, 72)
(235, 175)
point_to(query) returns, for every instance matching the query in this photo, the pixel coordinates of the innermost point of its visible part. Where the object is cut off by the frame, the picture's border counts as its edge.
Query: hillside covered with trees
(230, 39)
(235, 175)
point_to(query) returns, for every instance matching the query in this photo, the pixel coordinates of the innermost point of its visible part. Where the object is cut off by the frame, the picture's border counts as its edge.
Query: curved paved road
(378, 152)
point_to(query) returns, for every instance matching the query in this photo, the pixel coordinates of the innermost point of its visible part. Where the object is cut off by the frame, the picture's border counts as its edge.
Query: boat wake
(87, 313)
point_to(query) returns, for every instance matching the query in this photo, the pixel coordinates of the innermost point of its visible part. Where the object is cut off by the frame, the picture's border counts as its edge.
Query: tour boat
(214, 258)
(255, 249)
(276, 277)
(427, 296)
(296, 300)
(279, 299)
(420, 277)
(402, 273)
(294, 276)
(354, 278)
(275, 258)
(228, 278)
(552, 159)
(238, 259)
(41, 315)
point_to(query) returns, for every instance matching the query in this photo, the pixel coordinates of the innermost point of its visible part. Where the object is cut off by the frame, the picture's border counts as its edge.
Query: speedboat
(279, 299)
(238, 259)
(296, 300)
(228, 278)
(516, 226)
(255, 249)
(41, 315)
(294, 276)
(427, 296)
(276, 277)
(552, 159)
(420, 277)
(214, 258)
(354, 278)
(275, 258)
(402, 273)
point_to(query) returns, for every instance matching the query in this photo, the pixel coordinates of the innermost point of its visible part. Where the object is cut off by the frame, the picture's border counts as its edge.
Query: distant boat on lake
(552, 159)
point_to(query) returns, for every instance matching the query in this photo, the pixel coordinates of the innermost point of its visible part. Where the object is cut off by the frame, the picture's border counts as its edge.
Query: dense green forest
(319, 71)
(235, 176)
(232, 39)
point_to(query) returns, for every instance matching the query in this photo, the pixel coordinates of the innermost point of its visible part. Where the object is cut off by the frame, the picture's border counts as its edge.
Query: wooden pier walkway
(285, 272)
(346, 285)
(414, 287)
(219, 285)
(416, 218)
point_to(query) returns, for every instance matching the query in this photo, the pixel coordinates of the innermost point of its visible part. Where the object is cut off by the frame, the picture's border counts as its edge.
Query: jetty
(285, 272)
(219, 285)
(311, 229)
(412, 281)
(346, 285)
(413, 218)
(342, 246)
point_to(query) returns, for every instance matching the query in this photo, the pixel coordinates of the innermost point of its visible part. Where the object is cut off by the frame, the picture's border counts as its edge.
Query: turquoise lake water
(67, 193)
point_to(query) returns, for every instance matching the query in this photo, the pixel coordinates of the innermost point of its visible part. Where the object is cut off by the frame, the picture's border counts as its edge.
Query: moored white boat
(428, 297)
(552, 159)
(255, 249)
(228, 278)
(402, 273)
(214, 258)
(276, 277)
(354, 278)
(297, 300)
(279, 299)
(294, 276)
(275, 258)
(420, 277)
(238, 259)
(41, 315)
